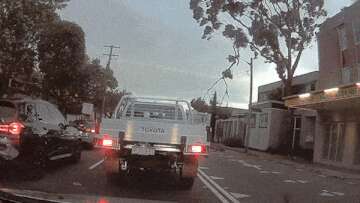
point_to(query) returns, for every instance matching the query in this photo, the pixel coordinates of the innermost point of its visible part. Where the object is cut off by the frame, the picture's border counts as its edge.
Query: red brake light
(107, 142)
(12, 128)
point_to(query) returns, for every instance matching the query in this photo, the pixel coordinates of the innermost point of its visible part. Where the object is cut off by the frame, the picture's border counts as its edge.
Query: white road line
(213, 190)
(228, 195)
(216, 178)
(96, 164)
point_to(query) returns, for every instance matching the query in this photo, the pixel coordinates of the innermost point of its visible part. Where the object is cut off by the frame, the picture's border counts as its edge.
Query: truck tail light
(197, 149)
(14, 128)
(107, 142)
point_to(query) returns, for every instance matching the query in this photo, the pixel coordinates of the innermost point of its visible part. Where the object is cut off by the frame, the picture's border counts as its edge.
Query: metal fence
(230, 128)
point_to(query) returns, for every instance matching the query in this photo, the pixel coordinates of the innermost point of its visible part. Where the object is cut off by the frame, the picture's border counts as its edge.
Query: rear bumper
(160, 162)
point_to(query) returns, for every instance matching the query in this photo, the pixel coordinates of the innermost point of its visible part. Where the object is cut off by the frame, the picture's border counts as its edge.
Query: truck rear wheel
(186, 183)
(188, 172)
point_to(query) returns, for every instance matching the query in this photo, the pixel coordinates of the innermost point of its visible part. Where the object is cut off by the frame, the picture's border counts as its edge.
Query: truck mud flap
(190, 166)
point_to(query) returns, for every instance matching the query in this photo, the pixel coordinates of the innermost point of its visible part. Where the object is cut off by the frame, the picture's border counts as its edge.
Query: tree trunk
(288, 87)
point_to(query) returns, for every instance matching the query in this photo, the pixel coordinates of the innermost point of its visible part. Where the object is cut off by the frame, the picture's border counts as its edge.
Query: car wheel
(37, 164)
(76, 156)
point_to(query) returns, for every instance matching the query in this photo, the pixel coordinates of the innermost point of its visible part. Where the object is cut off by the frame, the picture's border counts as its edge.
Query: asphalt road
(225, 176)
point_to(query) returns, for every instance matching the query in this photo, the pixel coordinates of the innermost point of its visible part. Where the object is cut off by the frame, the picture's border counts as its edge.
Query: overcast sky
(162, 53)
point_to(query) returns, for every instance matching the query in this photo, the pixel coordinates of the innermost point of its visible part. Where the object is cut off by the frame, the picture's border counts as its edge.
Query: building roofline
(298, 76)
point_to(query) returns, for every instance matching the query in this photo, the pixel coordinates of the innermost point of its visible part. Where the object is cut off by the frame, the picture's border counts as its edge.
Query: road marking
(265, 172)
(61, 156)
(213, 190)
(204, 167)
(338, 193)
(244, 163)
(216, 178)
(275, 172)
(96, 164)
(302, 181)
(238, 195)
(289, 181)
(326, 194)
(228, 195)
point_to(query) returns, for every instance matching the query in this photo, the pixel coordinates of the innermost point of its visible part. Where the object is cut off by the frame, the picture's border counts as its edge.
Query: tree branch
(297, 60)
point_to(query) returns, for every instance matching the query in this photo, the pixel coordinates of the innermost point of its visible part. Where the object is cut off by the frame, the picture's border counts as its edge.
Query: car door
(53, 132)
(68, 136)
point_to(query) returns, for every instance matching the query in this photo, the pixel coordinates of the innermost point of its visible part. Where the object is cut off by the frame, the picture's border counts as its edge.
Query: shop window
(253, 121)
(263, 120)
(333, 146)
(346, 75)
(356, 30)
(342, 37)
(313, 86)
(357, 148)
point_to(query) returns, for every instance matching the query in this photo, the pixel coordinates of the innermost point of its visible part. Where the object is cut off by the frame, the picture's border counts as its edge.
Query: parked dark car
(34, 132)
(87, 129)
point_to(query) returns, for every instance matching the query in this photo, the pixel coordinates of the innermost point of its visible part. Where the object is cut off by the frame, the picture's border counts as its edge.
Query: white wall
(259, 137)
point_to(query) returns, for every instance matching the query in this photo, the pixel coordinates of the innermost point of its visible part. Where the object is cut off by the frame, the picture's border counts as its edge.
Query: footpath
(320, 169)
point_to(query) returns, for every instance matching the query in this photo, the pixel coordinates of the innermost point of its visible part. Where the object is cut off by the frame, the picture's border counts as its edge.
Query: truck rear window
(7, 111)
(155, 112)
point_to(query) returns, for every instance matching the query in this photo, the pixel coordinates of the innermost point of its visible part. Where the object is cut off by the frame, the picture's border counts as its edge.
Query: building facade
(272, 126)
(337, 99)
(271, 122)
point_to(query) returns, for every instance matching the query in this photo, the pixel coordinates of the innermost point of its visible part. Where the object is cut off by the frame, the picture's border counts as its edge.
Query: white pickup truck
(153, 134)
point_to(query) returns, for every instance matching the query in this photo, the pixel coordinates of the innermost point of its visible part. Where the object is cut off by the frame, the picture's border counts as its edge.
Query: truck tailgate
(153, 131)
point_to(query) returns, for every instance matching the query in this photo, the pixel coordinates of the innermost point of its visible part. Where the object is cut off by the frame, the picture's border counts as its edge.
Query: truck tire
(113, 172)
(187, 183)
(188, 172)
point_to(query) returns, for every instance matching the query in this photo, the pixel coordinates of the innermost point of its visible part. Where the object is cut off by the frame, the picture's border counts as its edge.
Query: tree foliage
(21, 23)
(99, 81)
(277, 30)
(200, 105)
(61, 57)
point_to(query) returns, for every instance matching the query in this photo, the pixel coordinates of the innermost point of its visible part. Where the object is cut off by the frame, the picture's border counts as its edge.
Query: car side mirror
(62, 126)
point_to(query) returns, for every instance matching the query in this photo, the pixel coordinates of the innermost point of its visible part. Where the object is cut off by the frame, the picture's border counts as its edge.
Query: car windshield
(180, 100)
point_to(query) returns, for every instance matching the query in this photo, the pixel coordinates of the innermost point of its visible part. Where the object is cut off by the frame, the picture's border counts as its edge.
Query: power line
(110, 54)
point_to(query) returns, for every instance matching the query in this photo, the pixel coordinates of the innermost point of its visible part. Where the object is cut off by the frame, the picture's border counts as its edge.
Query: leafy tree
(277, 30)
(112, 100)
(61, 57)
(100, 81)
(20, 25)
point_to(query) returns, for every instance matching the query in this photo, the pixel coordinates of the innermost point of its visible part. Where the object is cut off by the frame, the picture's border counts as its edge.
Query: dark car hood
(36, 196)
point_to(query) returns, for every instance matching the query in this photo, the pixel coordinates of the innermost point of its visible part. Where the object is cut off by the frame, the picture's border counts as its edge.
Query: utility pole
(107, 68)
(250, 107)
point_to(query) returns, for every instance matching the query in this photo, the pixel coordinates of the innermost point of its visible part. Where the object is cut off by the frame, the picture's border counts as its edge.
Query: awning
(343, 97)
